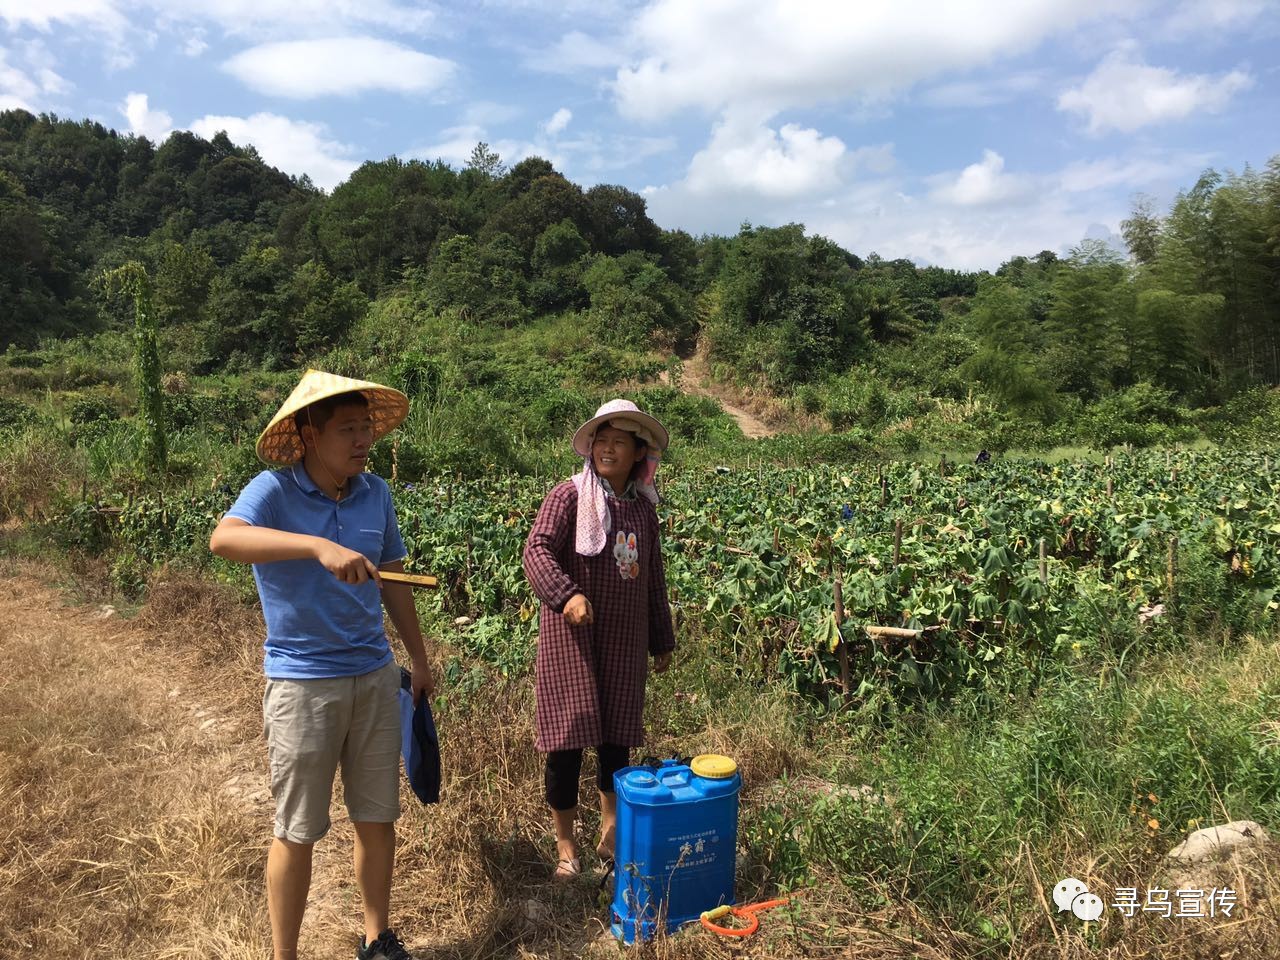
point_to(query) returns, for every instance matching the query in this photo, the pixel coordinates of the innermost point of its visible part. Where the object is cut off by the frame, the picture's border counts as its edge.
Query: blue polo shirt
(318, 626)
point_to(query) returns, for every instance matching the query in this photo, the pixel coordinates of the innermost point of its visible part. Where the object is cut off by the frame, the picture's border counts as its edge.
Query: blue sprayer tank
(675, 844)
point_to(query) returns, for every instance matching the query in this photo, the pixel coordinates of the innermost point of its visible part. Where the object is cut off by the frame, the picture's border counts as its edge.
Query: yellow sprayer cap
(713, 766)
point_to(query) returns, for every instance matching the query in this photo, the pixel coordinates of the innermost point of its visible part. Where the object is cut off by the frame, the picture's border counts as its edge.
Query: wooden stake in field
(1109, 489)
(899, 633)
(1044, 565)
(841, 651)
(884, 490)
(897, 543)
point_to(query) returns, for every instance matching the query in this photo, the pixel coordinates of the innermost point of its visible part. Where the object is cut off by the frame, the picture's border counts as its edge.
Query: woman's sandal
(567, 868)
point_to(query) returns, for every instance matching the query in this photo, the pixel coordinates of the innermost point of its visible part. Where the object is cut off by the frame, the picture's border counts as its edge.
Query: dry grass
(117, 836)
(135, 824)
(34, 473)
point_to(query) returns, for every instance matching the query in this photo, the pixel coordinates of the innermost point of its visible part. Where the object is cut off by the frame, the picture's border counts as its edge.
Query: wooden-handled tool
(412, 579)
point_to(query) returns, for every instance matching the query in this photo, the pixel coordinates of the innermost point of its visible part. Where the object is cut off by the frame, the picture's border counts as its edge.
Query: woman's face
(615, 453)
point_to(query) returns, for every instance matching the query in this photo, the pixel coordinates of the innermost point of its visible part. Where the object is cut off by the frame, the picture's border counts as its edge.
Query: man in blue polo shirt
(318, 531)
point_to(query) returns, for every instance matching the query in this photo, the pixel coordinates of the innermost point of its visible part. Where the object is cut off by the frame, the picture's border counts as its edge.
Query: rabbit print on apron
(626, 551)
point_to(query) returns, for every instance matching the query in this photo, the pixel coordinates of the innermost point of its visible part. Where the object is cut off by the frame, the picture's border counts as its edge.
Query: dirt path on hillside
(695, 381)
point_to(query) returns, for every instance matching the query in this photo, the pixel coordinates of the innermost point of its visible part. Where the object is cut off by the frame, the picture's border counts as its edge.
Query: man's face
(343, 443)
(614, 453)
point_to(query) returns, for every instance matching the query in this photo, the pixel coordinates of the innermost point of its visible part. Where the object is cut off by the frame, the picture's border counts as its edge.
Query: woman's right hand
(578, 611)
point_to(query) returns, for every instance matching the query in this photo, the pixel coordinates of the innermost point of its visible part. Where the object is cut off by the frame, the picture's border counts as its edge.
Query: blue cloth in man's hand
(419, 744)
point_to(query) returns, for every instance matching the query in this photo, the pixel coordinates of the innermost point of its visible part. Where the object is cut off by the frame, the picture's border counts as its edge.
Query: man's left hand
(421, 681)
(661, 662)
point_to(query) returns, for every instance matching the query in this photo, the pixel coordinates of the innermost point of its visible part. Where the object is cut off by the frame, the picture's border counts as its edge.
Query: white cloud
(972, 219)
(1194, 17)
(1124, 94)
(123, 27)
(304, 69)
(295, 146)
(885, 217)
(987, 92)
(1109, 173)
(575, 52)
(745, 155)
(596, 159)
(23, 90)
(108, 18)
(51, 82)
(251, 17)
(876, 159)
(484, 113)
(238, 17)
(585, 159)
(574, 10)
(981, 184)
(559, 120)
(43, 14)
(456, 144)
(153, 124)
(17, 90)
(770, 55)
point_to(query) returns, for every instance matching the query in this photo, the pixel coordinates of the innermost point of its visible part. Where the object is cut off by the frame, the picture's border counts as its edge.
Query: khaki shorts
(313, 725)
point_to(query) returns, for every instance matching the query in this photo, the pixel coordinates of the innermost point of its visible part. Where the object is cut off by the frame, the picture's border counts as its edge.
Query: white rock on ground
(1212, 843)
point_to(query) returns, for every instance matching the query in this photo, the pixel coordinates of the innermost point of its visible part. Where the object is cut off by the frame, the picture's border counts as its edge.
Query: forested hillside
(254, 270)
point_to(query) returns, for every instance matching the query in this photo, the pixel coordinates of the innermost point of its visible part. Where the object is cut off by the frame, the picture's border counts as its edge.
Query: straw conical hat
(280, 443)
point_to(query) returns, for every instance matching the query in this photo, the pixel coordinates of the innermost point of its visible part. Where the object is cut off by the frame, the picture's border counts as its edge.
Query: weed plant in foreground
(971, 810)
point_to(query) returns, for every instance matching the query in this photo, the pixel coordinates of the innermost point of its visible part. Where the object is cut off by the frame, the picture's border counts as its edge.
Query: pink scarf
(594, 519)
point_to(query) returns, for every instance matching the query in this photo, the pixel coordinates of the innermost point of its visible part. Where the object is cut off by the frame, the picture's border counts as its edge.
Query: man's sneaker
(386, 947)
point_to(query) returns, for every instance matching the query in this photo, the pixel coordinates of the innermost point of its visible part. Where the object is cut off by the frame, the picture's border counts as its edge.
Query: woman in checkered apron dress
(594, 560)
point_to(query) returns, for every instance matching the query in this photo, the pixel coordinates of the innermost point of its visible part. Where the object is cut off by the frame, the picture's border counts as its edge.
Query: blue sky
(952, 132)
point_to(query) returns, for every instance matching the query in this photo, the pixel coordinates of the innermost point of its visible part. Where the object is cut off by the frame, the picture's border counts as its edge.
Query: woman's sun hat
(595, 519)
(281, 445)
(622, 415)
